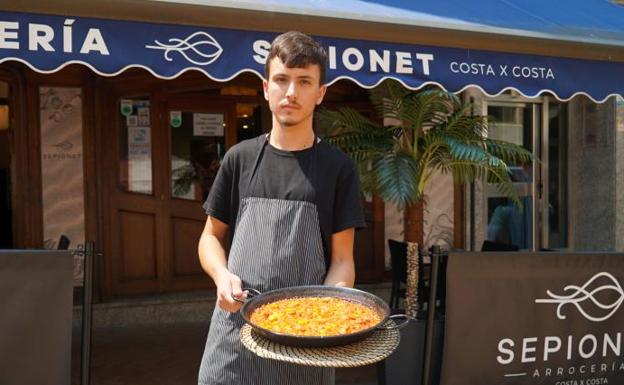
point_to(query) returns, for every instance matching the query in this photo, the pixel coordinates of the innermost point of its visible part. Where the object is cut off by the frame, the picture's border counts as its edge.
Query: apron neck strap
(263, 143)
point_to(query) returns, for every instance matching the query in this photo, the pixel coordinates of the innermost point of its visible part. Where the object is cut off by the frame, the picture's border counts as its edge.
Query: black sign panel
(545, 318)
(36, 289)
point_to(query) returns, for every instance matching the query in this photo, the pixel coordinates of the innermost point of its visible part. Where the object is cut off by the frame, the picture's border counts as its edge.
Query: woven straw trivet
(375, 348)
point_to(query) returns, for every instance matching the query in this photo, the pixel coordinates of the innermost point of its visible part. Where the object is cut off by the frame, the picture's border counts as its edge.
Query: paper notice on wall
(175, 119)
(144, 116)
(132, 120)
(139, 159)
(138, 142)
(207, 124)
(125, 107)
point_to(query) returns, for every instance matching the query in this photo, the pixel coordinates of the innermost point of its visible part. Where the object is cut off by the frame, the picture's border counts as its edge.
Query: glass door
(135, 197)
(540, 222)
(198, 131)
(165, 156)
(508, 223)
(197, 145)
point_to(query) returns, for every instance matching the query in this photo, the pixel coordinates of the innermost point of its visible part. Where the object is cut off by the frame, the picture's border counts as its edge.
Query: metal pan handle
(251, 293)
(406, 319)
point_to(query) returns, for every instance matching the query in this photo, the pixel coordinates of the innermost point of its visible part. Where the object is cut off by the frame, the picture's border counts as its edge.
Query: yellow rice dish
(314, 316)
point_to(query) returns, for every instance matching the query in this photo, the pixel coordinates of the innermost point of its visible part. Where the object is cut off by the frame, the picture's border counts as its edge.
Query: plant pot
(405, 365)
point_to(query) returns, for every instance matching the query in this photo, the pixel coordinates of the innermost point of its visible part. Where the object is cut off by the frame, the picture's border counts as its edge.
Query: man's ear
(322, 91)
(265, 88)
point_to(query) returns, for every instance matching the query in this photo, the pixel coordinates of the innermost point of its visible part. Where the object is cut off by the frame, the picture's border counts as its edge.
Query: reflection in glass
(509, 224)
(251, 120)
(513, 124)
(135, 146)
(197, 147)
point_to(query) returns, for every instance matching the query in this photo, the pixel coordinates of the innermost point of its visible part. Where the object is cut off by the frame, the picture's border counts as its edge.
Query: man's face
(293, 93)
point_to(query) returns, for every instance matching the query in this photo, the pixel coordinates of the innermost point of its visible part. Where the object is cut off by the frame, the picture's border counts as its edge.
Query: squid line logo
(576, 295)
(199, 48)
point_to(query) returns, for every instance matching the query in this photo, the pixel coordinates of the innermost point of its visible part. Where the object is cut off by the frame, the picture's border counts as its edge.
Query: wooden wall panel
(137, 246)
(185, 235)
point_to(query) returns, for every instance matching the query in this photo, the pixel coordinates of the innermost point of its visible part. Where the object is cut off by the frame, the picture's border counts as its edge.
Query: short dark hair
(297, 50)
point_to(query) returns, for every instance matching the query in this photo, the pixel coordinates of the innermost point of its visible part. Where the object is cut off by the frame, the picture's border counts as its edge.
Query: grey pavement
(162, 354)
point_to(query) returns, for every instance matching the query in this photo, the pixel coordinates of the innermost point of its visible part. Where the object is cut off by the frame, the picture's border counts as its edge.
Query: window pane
(197, 147)
(513, 124)
(135, 146)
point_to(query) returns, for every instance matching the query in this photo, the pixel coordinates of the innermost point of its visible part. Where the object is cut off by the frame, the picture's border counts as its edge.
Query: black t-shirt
(330, 173)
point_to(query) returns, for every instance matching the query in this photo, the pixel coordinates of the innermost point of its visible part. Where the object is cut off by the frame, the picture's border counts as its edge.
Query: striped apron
(277, 243)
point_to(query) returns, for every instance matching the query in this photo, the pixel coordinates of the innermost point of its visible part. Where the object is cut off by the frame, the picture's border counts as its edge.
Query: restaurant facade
(114, 117)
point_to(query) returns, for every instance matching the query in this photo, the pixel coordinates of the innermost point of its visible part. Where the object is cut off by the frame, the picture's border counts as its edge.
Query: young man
(290, 204)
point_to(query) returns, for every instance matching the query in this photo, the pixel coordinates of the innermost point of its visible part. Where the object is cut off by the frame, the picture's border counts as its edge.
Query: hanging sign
(207, 124)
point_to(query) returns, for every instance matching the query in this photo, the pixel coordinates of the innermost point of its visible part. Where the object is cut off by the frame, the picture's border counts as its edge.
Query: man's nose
(291, 91)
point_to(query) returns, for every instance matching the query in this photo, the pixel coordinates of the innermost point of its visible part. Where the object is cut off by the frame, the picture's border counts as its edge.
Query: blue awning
(586, 21)
(48, 43)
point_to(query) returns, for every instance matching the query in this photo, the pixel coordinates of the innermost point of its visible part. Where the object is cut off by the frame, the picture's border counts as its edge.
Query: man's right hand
(228, 287)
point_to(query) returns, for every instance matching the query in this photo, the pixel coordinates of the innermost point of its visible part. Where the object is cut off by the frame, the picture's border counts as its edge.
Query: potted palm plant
(416, 136)
(421, 133)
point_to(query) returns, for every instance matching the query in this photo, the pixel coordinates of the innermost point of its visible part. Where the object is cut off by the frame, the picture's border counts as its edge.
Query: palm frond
(423, 132)
(355, 134)
(395, 176)
(510, 152)
(415, 110)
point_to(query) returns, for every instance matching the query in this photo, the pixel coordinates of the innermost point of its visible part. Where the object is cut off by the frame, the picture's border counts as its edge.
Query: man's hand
(228, 288)
(213, 261)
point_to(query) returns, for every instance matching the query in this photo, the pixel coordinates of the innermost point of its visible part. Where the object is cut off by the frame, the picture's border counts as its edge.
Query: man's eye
(306, 82)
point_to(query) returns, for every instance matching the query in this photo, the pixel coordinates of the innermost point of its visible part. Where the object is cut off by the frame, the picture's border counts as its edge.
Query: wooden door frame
(109, 91)
(162, 94)
(173, 101)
